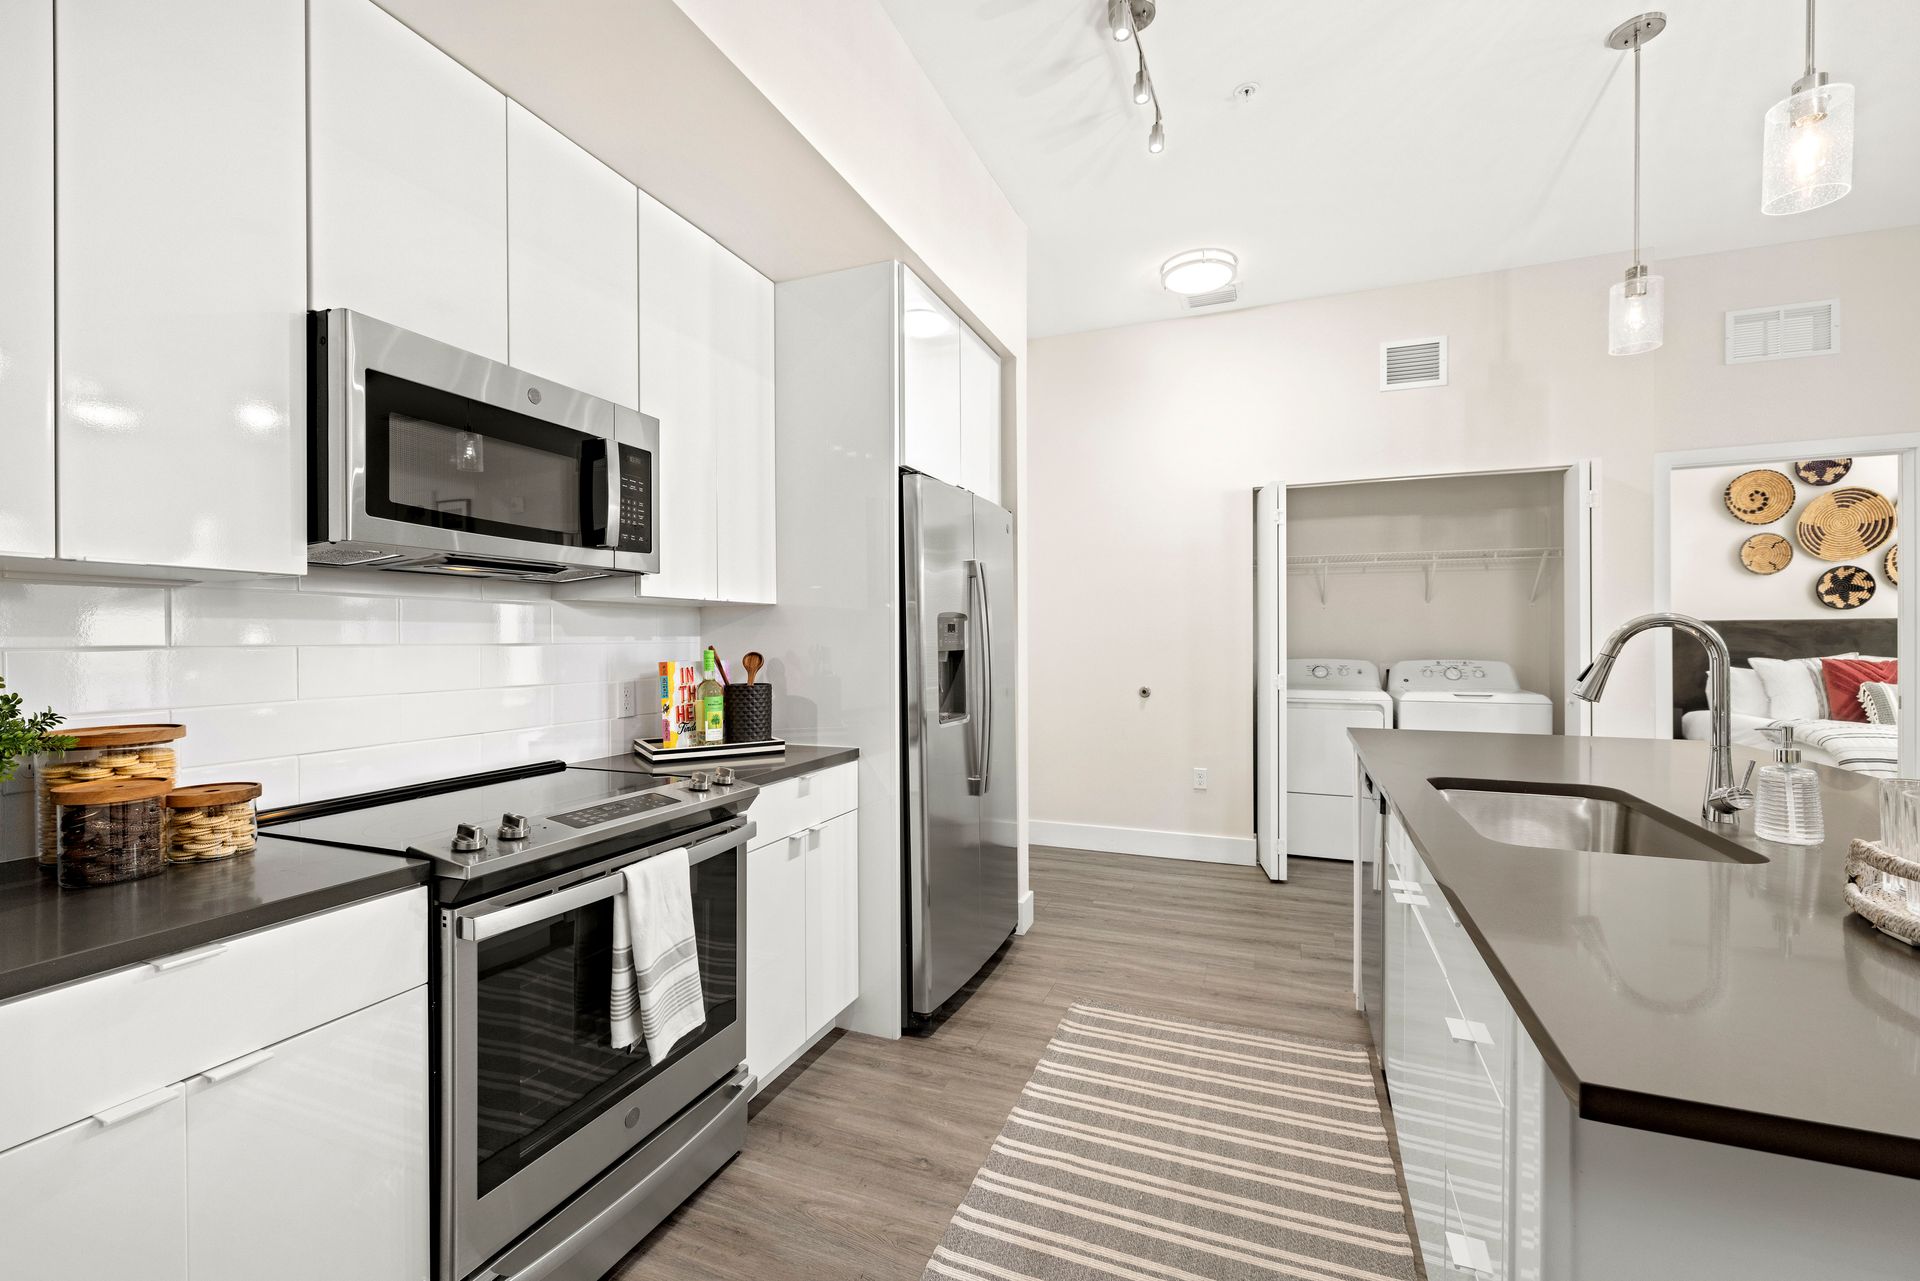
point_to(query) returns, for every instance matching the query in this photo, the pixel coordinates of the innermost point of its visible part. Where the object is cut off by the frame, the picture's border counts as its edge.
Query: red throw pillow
(1845, 676)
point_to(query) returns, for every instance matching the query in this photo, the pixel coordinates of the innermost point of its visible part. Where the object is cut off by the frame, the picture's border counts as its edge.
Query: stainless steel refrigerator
(962, 877)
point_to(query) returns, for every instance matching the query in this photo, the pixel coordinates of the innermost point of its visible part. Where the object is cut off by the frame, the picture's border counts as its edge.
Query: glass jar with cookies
(211, 821)
(99, 753)
(108, 830)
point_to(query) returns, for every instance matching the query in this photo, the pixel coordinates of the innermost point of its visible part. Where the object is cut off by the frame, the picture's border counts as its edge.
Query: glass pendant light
(1636, 307)
(468, 452)
(1807, 143)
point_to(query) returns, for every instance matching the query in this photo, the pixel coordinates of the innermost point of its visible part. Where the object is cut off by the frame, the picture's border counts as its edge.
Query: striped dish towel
(656, 965)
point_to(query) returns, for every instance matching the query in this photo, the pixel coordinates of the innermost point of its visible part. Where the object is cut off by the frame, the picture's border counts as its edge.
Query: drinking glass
(1900, 830)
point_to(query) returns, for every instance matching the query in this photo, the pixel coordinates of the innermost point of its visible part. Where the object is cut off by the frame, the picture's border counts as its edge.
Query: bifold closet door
(1269, 679)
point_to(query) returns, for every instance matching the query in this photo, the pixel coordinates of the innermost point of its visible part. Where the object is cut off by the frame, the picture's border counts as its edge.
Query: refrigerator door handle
(981, 590)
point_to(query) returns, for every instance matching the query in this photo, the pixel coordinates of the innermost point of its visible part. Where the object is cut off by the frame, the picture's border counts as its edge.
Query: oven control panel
(609, 811)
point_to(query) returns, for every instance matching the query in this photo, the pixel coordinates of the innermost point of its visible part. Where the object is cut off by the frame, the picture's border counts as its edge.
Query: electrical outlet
(629, 698)
(1199, 779)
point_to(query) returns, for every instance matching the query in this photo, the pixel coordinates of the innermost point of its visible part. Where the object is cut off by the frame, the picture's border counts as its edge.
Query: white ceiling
(1397, 140)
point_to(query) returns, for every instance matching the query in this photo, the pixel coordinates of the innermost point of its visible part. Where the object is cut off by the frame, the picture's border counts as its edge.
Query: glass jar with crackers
(211, 821)
(109, 830)
(99, 753)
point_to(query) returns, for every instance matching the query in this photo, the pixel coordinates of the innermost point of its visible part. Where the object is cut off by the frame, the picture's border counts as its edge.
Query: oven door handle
(490, 922)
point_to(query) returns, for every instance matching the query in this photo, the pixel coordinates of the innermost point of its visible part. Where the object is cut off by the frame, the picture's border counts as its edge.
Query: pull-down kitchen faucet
(1724, 799)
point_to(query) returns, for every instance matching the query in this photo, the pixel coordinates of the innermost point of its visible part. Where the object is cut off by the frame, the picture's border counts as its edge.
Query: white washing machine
(1479, 695)
(1326, 697)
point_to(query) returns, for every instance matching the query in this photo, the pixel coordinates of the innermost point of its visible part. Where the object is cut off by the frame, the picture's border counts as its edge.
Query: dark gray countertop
(798, 759)
(50, 936)
(1739, 1004)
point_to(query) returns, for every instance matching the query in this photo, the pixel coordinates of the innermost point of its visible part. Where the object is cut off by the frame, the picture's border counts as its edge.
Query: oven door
(535, 1103)
(428, 448)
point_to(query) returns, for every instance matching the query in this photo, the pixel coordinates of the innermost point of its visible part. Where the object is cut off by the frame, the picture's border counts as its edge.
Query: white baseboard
(1025, 920)
(1191, 846)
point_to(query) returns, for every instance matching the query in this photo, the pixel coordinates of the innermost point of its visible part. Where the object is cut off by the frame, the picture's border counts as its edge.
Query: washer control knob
(514, 827)
(468, 837)
(1319, 671)
(1453, 673)
(699, 781)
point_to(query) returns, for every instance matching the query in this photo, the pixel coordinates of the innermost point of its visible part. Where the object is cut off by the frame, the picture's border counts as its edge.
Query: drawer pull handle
(1468, 1252)
(234, 1067)
(1411, 900)
(1468, 1032)
(180, 960)
(135, 1107)
(1403, 886)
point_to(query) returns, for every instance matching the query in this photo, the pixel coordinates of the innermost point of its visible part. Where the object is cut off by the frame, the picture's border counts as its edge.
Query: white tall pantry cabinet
(950, 419)
(180, 271)
(26, 276)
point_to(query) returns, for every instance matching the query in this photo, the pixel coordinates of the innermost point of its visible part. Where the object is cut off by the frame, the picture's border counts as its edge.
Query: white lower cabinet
(306, 1157)
(803, 960)
(105, 1197)
(314, 1153)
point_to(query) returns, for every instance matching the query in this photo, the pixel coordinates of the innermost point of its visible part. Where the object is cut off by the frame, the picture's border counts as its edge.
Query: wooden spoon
(753, 663)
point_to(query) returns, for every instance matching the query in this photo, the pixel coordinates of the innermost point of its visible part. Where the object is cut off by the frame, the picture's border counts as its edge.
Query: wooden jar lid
(110, 791)
(87, 736)
(202, 795)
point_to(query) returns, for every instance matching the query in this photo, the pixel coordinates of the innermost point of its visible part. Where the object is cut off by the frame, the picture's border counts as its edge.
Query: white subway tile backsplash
(342, 671)
(97, 680)
(47, 615)
(342, 681)
(243, 616)
(482, 622)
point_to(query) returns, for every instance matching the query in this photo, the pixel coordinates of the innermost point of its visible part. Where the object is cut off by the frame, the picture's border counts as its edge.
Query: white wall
(339, 682)
(1479, 613)
(1708, 580)
(1146, 441)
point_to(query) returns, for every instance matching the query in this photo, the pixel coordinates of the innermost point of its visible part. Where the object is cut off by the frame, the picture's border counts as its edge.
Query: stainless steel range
(556, 1152)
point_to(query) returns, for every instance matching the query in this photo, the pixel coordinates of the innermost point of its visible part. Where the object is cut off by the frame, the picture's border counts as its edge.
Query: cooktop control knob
(468, 837)
(699, 781)
(514, 827)
(725, 776)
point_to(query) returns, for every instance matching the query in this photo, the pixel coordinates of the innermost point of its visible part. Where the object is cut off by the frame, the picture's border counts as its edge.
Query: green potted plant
(23, 736)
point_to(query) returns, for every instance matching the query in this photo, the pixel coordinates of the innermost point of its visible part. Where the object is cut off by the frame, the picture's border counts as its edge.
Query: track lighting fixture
(1142, 87)
(1157, 136)
(1127, 19)
(1119, 19)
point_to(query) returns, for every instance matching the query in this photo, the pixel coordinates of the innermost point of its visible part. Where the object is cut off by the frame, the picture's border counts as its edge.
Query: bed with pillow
(1828, 679)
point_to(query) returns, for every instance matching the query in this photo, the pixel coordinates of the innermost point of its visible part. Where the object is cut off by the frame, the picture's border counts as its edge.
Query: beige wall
(1145, 442)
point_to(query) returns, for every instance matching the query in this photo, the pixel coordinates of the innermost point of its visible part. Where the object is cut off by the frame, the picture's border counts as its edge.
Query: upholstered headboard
(1773, 638)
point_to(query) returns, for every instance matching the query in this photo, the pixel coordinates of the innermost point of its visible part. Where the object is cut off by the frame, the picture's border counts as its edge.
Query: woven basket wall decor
(1823, 471)
(1760, 497)
(1843, 524)
(1766, 553)
(1845, 587)
(1893, 564)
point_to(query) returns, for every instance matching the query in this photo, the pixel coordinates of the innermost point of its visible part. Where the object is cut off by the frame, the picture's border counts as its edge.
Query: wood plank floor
(857, 1160)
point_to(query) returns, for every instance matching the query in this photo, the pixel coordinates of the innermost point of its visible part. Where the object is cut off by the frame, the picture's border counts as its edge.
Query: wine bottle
(712, 698)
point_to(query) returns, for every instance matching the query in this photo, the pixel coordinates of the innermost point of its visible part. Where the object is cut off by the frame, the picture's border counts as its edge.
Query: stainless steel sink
(1606, 823)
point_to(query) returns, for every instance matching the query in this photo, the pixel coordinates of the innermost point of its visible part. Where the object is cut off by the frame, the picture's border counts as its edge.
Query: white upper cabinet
(409, 170)
(679, 305)
(572, 263)
(979, 417)
(26, 276)
(744, 435)
(930, 364)
(181, 277)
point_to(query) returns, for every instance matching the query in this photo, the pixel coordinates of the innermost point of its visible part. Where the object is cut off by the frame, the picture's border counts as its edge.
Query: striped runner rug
(1157, 1149)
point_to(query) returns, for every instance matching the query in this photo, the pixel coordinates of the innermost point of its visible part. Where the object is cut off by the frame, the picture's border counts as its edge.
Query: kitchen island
(1737, 1059)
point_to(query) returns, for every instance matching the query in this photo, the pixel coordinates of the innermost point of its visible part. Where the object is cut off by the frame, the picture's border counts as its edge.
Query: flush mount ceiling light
(1198, 271)
(1636, 319)
(1807, 143)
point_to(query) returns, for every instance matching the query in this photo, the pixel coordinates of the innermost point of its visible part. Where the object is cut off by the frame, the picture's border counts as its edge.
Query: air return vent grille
(1783, 332)
(1217, 297)
(1419, 362)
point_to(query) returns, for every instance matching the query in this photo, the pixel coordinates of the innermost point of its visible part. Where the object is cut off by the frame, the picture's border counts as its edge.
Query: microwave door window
(435, 458)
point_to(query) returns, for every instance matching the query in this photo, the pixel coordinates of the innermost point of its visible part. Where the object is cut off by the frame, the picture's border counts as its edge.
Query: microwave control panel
(636, 499)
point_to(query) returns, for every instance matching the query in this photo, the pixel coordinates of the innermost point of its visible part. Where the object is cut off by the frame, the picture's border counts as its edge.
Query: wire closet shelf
(1428, 563)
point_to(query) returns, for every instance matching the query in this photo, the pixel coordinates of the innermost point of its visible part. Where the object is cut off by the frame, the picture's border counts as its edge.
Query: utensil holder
(749, 713)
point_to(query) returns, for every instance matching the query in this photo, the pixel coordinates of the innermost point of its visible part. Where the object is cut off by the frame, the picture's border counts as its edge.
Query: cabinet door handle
(1411, 900)
(1403, 886)
(180, 960)
(234, 1067)
(1468, 1032)
(1468, 1252)
(135, 1107)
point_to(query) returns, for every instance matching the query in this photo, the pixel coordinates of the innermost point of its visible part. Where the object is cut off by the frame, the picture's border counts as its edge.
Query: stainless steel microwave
(427, 459)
